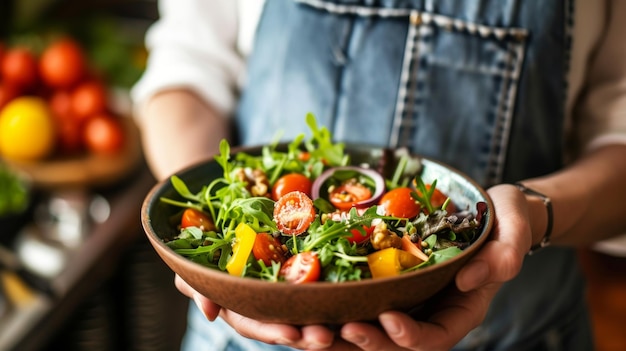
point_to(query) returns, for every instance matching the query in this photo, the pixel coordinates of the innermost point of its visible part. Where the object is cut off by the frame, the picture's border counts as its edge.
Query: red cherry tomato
(291, 182)
(294, 212)
(8, 92)
(304, 156)
(398, 202)
(61, 105)
(69, 136)
(268, 248)
(438, 198)
(88, 99)
(345, 196)
(359, 237)
(62, 64)
(19, 68)
(103, 134)
(301, 268)
(194, 218)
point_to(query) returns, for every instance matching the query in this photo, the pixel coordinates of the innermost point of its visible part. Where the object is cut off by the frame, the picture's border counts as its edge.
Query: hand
(308, 337)
(454, 314)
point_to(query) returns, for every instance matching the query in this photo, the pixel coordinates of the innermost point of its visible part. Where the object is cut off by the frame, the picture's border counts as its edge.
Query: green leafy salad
(304, 213)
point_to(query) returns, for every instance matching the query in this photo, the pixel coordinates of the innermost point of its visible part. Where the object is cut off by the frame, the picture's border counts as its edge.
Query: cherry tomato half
(268, 248)
(398, 202)
(194, 218)
(294, 212)
(345, 196)
(291, 182)
(301, 268)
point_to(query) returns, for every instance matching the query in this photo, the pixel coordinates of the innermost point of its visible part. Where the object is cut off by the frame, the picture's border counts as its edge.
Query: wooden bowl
(321, 302)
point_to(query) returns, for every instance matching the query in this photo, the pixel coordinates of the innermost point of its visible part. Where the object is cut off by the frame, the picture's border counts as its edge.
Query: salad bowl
(316, 302)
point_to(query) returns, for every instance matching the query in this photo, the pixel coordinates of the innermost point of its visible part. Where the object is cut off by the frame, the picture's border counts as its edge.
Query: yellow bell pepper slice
(244, 241)
(390, 262)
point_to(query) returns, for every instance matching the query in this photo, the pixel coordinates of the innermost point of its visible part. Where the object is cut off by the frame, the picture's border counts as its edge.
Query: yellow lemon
(27, 131)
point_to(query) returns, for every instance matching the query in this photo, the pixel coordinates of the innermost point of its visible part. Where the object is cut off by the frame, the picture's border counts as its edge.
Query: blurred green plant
(14, 192)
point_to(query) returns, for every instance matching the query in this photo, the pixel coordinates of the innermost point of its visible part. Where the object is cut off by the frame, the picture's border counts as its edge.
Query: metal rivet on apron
(415, 19)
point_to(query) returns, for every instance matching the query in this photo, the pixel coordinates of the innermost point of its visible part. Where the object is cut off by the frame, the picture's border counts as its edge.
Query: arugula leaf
(223, 158)
(440, 256)
(322, 146)
(257, 212)
(182, 188)
(264, 272)
(319, 234)
(194, 200)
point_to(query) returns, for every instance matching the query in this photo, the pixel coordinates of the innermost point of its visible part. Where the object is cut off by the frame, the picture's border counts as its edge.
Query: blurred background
(76, 272)
(111, 31)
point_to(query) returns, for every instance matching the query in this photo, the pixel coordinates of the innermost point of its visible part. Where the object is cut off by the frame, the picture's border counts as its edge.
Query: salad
(304, 213)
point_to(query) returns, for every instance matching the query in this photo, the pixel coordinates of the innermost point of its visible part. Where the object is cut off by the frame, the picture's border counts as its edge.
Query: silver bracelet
(548, 203)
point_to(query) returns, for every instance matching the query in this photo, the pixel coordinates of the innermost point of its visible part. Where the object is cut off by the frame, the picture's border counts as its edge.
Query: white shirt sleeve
(600, 111)
(194, 45)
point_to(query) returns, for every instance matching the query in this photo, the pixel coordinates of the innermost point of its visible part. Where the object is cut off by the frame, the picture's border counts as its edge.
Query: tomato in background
(303, 267)
(294, 212)
(88, 99)
(19, 68)
(398, 202)
(8, 92)
(345, 196)
(291, 182)
(62, 64)
(267, 248)
(60, 102)
(69, 136)
(103, 134)
(194, 218)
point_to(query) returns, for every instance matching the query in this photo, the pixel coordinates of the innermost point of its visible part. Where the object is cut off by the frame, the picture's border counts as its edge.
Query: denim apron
(479, 85)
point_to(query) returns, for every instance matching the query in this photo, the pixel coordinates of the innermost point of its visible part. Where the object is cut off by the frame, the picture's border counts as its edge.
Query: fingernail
(392, 327)
(200, 303)
(315, 346)
(358, 338)
(284, 341)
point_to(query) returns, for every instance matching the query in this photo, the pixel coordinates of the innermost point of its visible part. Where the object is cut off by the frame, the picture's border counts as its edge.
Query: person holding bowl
(526, 98)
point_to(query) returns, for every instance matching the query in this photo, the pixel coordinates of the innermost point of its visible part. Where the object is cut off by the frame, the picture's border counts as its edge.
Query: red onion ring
(379, 183)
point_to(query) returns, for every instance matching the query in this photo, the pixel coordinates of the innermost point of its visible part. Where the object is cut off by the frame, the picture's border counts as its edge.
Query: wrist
(541, 217)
